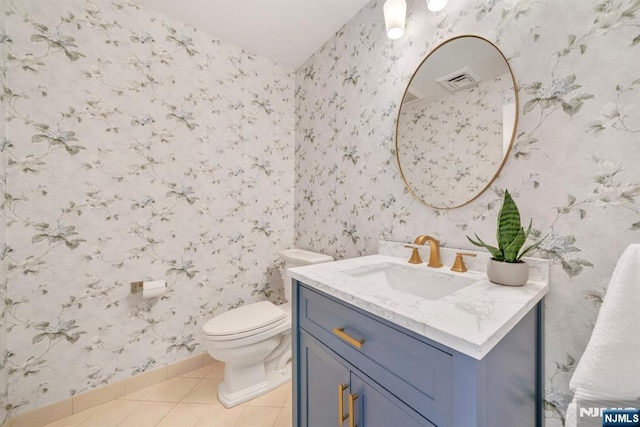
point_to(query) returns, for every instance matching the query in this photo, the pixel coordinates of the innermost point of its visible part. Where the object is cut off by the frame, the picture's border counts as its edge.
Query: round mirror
(456, 122)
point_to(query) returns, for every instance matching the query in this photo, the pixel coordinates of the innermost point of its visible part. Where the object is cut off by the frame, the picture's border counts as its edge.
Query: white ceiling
(285, 31)
(484, 60)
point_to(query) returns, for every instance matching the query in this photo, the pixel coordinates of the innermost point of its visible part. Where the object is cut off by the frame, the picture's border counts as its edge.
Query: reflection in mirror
(456, 122)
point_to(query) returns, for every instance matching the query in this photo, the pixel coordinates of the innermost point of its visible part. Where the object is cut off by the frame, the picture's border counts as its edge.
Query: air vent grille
(458, 80)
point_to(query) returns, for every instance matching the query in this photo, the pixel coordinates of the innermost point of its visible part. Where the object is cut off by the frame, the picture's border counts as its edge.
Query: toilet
(254, 341)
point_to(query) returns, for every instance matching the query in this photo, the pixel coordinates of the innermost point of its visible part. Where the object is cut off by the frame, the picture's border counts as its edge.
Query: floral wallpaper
(451, 147)
(137, 148)
(4, 374)
(573, 168)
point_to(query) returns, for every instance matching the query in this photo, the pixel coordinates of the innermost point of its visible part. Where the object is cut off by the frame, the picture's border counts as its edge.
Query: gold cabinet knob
(458, 264)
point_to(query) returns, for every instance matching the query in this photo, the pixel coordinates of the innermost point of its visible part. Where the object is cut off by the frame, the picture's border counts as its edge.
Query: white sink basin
(413, 280)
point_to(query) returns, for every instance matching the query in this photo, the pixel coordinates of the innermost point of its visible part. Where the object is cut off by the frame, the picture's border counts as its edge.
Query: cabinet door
(320, 376)
(375, 407)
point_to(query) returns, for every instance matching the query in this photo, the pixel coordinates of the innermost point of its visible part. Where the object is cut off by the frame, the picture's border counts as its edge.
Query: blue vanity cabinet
(323, 381)
(404, 379)
(375, 407)
(336, 393)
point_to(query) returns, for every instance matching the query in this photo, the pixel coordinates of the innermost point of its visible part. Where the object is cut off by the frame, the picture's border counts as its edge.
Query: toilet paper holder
(138, 286)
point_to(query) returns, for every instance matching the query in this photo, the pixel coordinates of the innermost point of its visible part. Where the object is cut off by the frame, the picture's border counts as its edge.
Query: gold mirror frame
(508, 150)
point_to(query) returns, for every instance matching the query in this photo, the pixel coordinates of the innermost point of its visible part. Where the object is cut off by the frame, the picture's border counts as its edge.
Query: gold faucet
(458, 264)
(434, 251)
(415, 255)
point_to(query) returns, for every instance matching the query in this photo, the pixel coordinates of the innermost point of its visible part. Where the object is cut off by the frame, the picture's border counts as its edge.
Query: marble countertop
(472, 320)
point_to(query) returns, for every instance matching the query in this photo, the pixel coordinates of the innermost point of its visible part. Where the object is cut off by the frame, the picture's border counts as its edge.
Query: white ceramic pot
(508, 273)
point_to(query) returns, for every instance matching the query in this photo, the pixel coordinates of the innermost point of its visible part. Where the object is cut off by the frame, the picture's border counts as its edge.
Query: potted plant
(506, 266)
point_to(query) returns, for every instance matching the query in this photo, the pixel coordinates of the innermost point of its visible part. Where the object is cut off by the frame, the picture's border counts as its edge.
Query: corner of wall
(3, 282)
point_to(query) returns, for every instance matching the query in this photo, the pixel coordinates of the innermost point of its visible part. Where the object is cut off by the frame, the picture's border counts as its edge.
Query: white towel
(572, 416)
(610, 365)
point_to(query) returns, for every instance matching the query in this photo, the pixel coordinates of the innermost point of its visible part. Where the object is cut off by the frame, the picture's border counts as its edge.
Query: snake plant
(511, 235)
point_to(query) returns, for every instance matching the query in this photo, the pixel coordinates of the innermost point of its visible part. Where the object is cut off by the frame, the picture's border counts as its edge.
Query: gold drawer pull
(341, 416)
(354, 342)
(352, 410)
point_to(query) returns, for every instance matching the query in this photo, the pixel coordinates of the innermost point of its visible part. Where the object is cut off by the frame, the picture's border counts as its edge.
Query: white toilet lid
(302, 257)
(250, 317)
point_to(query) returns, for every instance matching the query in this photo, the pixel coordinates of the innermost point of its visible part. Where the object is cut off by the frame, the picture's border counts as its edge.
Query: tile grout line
(165, 415)
(202, 379)
(115, 391)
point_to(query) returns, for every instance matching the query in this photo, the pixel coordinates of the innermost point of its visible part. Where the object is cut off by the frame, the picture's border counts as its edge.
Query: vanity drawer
(417, 373)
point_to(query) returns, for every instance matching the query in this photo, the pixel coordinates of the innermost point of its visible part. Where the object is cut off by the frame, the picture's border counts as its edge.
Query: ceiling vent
(459, 79)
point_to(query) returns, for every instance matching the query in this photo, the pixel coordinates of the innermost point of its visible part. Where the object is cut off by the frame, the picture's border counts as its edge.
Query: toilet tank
(297, 258)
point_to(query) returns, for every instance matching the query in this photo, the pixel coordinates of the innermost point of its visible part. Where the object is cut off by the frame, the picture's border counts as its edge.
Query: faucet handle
(458, 264)
(415, 255)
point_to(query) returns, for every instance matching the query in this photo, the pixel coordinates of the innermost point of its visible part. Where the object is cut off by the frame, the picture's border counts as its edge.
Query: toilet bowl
(246, 338)
(254, 340)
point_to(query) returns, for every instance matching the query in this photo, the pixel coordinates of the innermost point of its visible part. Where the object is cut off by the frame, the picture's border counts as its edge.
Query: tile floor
(186, 401)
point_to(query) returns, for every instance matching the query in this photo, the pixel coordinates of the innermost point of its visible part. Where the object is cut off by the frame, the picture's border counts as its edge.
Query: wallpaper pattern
(103, 97)
(137, 148)
(452, 146)
(573, 168)
(4, 374)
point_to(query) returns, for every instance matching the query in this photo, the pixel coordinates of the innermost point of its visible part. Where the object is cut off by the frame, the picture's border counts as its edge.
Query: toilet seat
(254, 341)
(245, 321)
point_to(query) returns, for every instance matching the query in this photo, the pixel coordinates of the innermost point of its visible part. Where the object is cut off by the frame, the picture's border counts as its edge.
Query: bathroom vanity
(368, 354)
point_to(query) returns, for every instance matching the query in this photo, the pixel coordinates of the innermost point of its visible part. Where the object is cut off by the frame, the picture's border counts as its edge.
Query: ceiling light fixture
(436, 5)
(395, 12)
